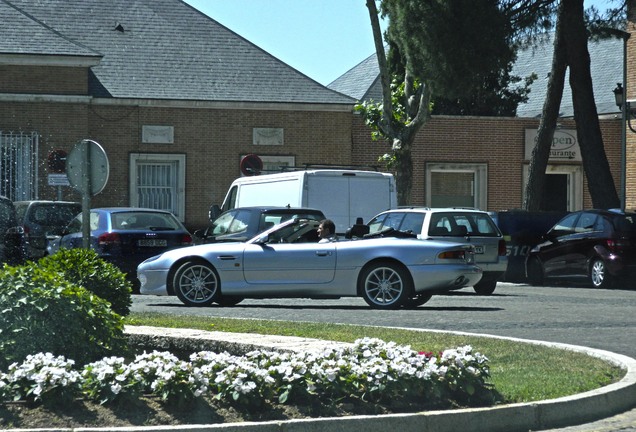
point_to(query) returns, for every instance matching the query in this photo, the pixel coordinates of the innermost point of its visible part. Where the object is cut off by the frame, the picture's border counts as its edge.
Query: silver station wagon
(460, 225)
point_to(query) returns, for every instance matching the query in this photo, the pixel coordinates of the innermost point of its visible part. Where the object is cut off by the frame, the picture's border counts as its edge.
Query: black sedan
(594, 246)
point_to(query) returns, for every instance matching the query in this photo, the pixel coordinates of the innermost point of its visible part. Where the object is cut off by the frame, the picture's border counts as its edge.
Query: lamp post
(619, 95)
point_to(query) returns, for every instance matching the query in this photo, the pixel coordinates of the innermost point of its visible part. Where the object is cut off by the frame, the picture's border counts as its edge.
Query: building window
(158, 182)
(456, 185)
(19, 165)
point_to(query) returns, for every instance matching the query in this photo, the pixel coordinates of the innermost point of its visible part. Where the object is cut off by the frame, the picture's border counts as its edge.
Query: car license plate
(479, 249)
(152, 243)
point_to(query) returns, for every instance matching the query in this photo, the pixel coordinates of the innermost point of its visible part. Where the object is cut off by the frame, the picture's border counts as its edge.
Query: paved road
(603, 319)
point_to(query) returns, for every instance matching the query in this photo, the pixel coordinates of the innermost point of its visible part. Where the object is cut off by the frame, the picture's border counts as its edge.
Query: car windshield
(271, 218)
(291, 231)
(143, 221)
(53, 215)
(232, 222)
(7, 217)
(463, 223)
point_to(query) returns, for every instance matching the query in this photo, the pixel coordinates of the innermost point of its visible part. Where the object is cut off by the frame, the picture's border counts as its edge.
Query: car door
(289, 263)
(579, 245)
(554, 252)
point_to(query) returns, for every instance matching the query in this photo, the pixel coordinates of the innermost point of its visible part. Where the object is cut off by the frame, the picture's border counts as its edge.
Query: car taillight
(26, 230)
(617, 245)
(108, 239)
(186, 240)
(453, 254)
(502, 248)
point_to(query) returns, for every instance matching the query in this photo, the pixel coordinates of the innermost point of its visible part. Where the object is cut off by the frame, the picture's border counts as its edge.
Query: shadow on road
(328, 307)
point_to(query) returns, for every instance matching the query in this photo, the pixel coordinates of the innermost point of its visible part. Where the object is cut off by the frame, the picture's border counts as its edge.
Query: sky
(323, 39)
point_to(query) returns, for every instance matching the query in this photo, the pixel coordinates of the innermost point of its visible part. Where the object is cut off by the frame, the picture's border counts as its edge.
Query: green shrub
(84, 268)
(41, 312)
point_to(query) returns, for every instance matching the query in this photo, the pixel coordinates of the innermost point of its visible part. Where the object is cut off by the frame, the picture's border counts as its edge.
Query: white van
(342, 195)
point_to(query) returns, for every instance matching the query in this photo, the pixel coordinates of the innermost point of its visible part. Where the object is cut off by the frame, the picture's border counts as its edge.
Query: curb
(553, 413)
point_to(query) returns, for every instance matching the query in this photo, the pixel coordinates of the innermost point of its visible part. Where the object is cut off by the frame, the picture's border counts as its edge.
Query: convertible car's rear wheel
(196, 284)
(385, 285)
(599, 276)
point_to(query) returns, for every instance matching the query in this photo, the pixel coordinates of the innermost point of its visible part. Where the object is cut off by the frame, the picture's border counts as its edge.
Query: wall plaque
(157, 134)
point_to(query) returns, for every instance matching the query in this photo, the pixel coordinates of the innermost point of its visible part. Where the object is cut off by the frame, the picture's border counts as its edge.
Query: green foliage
(372, 111)
(83, 267)
(42, 312)
(499, 96)
(447, 47)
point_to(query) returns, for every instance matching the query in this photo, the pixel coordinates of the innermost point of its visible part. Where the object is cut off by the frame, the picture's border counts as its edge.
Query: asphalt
(611, 408)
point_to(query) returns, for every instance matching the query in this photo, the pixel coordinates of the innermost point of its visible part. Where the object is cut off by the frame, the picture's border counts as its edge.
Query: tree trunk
(403, 171)
(550, 114)
(597, 170)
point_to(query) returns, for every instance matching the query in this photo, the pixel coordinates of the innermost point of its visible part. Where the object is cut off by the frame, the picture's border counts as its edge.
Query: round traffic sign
(87, 167)
(251, 165)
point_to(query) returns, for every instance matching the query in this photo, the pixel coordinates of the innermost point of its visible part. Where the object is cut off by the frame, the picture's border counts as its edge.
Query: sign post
(87, 171)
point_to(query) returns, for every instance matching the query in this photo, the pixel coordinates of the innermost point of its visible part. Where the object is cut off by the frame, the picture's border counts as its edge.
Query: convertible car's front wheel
(196, 284)
(385, 285)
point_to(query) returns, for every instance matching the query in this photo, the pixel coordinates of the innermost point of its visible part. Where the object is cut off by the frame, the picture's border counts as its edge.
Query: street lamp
(624, 106)
(620, 94)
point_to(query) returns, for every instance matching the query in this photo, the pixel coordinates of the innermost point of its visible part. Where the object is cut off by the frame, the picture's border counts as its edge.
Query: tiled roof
(606, 58)
(362, 83)
(165, 49)
(35, 37)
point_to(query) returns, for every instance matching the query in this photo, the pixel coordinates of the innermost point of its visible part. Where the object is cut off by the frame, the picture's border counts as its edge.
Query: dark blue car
(126, 236)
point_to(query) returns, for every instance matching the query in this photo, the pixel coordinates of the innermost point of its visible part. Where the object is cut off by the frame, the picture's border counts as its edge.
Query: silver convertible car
(288, 261)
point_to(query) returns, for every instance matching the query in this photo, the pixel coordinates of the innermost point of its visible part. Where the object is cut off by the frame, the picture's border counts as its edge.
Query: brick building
(483, 161)
(176, 100)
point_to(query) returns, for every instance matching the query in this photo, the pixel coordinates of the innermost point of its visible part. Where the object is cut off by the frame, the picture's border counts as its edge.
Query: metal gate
(157, 185)
(19, 165)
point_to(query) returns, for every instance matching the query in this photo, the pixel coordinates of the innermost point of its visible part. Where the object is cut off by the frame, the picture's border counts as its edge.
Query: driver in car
(327, 231)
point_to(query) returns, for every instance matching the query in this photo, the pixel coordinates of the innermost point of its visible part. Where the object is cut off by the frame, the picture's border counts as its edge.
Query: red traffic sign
(251, 165)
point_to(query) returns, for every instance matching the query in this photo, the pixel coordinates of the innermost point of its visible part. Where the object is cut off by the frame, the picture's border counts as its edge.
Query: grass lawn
(520, 372)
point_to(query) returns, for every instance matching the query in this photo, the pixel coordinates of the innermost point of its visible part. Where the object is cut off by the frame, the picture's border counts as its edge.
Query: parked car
(11, 234)
(242, 224)
(126, 236)
(522, 230)
(596, 246)
(289, 261)
(460, 225)
(41, 219)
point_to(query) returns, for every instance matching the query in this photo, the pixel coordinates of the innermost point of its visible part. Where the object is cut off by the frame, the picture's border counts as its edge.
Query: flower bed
(371, 371)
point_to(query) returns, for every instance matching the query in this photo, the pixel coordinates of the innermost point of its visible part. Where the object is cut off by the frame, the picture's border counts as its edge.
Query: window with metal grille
(158, 182)
(19, 165)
